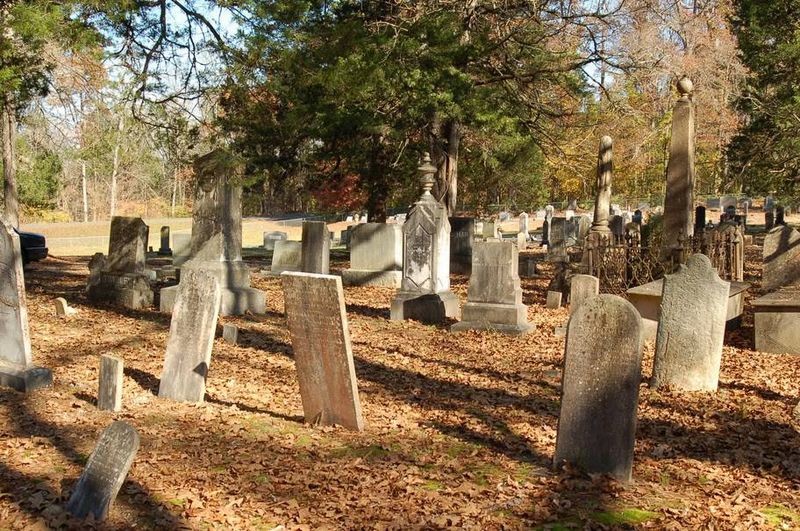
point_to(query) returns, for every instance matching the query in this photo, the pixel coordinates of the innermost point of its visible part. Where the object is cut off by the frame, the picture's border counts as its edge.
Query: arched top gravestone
(600, 387)
(691, 328)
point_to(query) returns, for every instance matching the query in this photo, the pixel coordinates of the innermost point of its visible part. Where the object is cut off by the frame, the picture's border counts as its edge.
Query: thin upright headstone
(316, 252)
(600, 387)
(523, 223)
(605, 172)
(549, 212)
(582, 288)
(691, 327)
(16, 359)
(679, 198)
(105, 472)
(462, 231)
(191, 337)
(109, 392)
(230, 334)
(781, 256)
(424, 293)
(164, 249)
(700, 218)
(317, 320)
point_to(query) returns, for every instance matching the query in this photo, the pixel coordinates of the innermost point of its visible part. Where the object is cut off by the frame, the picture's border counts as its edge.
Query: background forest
(330, 104)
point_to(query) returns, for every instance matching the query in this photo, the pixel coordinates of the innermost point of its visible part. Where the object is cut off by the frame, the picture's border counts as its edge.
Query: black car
(32, 245)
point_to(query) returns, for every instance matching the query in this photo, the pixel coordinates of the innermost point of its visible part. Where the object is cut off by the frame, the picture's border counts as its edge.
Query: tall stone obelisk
(679, 198)
(602, 201)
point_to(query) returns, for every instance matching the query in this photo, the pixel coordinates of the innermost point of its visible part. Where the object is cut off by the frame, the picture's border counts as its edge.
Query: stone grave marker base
(354, 277)
(430, 308)
(505, 318)
(23, 379)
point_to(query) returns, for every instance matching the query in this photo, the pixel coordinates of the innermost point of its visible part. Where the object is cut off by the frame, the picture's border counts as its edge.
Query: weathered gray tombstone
(16, 360)
(105, 472)
(584, 225)
(781, 258)
(217, 236)
(191, 337)
(271, 237)
(376, 255)
(582, 288)
(109, 392)
(549, 212)
(679, 198)
(63, 309)
(181, 248)
(286, 256)
(164, 248)
(123, 280)
(491, 228)
(230, 334)
(557, 242)
(524, 223)
(602, 202)
(462, 231)
(494, 299)
(316, 252)
(553, 300)
(424, 293)
(600, 387)
(322, 350)
(691, 327)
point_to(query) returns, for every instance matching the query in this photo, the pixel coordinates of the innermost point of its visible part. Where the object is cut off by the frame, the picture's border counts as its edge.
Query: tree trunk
(85, 192)
(115, 166)
(445, 141)
(8, 125)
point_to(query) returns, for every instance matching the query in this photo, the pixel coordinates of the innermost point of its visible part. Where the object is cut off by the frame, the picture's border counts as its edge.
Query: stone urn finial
(426, 169)
(685, 87)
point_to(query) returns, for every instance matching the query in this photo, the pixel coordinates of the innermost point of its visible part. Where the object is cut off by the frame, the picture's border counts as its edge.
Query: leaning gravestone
(191, 337)
(316, 252)
(376, 255)
(691, 327)
(123, 279)
(105, 472)
(781, 258)
(322, 350)
(600, 387)
(109, 393)
(16, 360)
(424, 293)
(217, 236)
(582, 288)
(494, 299)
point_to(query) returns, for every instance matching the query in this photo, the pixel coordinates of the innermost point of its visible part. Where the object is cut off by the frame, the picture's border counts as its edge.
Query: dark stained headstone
(779, 216)
(462, 234)
(600, 387)
(127, 245)
(316, 247)
(165, 249)
(700, 218)
(315, 313)
(109, 393)
(105, 472)
(191, 337)
(691, 327)
(781, 256)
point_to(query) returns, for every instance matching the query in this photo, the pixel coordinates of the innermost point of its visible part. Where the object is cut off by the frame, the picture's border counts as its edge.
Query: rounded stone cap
(606, 142)
(685, 86)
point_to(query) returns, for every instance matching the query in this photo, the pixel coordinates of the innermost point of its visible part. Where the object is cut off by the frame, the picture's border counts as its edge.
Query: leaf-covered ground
(460, 430)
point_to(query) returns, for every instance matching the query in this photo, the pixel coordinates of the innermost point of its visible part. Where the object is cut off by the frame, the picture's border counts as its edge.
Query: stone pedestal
(494, 300)
(424, 293)
(217, 238)
(376, 256)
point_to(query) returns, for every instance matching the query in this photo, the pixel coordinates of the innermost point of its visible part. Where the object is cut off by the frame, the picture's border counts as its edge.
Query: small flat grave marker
(230, 334)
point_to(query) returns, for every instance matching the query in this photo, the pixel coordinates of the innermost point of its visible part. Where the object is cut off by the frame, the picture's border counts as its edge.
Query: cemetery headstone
(105, 472)
(769, 220)
(600, 387)
(271, 237)
(557, 241)
(781, 258)
(322, 349)
(780, 216)
(181, 248)
(286, 256)
(316, 253)
(494, 298)
(549, 212)
(582, 288)
(462, 230)
(124, 279)
(230, 334)
(691, 327)
(109, 392)
(553, 300)
(376, 256)
(491, 229)
(63, 309)
(424, 293)
(165, 249)
(16, 359)
(700, 219)
(217, 236)
(523, 223)
(191, 337)
(679, 199)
